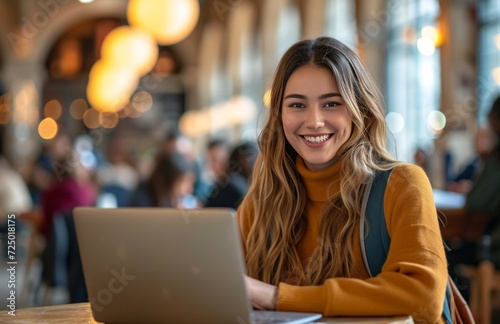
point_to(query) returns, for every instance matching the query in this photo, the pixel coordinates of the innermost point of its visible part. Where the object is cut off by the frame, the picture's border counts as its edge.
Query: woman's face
(315, 118)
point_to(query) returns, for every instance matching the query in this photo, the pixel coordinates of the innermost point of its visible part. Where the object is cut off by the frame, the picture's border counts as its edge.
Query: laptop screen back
(146, 265)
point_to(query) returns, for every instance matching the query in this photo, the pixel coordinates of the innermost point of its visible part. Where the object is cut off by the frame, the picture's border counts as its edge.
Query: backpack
(377, 242)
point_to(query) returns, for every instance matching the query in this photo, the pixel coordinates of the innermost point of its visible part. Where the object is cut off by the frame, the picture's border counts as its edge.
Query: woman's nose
(314, 119)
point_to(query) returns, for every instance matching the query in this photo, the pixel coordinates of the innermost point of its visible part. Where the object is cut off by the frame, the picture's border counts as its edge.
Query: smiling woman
(302, 221)
(315, 118)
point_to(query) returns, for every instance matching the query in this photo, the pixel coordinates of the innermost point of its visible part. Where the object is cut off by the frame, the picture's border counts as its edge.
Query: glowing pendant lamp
(132, 47)
(110, 86)
(170, 21)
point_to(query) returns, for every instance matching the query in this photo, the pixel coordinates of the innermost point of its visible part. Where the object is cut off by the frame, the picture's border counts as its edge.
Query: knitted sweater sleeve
(414, 276)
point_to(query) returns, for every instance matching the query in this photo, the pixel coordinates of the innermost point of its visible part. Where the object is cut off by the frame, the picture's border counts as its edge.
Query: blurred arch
(72, 15)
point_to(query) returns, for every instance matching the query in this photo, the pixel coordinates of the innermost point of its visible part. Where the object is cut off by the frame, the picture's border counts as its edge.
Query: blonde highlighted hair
(277, 195)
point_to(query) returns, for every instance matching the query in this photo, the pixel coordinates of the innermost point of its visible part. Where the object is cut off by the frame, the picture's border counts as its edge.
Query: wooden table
(81, 313)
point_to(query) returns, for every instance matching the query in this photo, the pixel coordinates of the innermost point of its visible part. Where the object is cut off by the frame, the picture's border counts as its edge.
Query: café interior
(103, 82)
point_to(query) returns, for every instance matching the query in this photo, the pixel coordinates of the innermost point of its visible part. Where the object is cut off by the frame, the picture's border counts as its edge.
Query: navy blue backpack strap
(373, 231)
(374, 237)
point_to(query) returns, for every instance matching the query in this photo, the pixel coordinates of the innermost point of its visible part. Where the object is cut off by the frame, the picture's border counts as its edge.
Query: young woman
(323, 141)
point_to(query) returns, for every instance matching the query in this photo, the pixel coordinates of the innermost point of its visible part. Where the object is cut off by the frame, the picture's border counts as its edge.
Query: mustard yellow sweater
(414, 276)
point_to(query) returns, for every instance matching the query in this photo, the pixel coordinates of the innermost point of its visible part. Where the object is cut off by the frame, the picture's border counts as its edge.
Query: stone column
(458, 86)
(23, 80)
(372, 18)
(313, 24)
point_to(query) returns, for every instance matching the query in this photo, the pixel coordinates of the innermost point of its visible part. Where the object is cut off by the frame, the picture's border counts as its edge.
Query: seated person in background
(74, 187)
(169, 185)
(422, 159)
(232, 185)
(118, 177)
(42, 175)
(242, 159)
(214, 166)
(484, 144)
(481, 213)
(216, 159)
(324, 140)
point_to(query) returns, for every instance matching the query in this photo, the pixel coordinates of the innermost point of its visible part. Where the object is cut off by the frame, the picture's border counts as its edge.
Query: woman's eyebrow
(323, 96)
(329, 95)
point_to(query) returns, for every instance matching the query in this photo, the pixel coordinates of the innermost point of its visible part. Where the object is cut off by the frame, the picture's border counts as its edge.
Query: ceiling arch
(70, 16)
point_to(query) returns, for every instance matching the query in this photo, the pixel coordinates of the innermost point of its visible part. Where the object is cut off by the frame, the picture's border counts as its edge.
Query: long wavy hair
(277, 195)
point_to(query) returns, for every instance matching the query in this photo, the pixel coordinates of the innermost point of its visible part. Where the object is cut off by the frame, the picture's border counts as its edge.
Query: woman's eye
(331, 104)
(296, 105)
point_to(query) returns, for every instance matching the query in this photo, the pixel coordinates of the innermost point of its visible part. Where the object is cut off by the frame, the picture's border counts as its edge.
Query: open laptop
(160, 265)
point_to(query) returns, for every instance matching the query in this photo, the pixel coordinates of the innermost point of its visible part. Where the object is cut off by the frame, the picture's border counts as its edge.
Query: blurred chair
(463, 235)
(458, 224)
(484, 281)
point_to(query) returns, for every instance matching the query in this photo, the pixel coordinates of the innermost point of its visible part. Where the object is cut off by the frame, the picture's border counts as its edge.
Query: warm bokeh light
(78, 108)
(108, 120)
(495, 73)
(395, 122)
(91, 118)
(130, 112)
(267, 98)
(69, 62)
(497, 41)
(26, 108)
(47, 129)
(142, 101)
(228, 114)
(132, 47)
(436, 121)
(170, 21)
(426, 46)
(4, 112)
(110, 86)
(432, 33)
(53, 109)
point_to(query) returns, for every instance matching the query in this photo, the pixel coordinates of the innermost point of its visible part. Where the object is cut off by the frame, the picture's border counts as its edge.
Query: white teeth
(317, 139)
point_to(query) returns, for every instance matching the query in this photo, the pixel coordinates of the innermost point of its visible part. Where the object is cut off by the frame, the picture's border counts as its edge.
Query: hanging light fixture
(130, 46)
(170, 21)
(110, 86)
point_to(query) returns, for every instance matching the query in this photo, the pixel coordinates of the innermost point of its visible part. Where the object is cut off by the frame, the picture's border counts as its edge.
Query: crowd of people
(64, 177)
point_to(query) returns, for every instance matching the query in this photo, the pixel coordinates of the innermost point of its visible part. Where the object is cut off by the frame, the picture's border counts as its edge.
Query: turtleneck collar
(319, 183)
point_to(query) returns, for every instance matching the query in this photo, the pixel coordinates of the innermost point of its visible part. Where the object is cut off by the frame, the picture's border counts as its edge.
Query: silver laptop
(156, 265)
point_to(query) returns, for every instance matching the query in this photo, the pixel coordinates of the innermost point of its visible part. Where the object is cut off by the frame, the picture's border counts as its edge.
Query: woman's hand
(262, 295)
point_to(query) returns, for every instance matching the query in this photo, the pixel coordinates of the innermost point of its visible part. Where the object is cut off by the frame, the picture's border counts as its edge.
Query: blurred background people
(481, 213)
(484, 143)
(232, 185)
(55, 149)
(118, 177)
(213, 165)
(422, 158)
(484, 195)
(170, 184)
(74, 187)
(216, 159)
